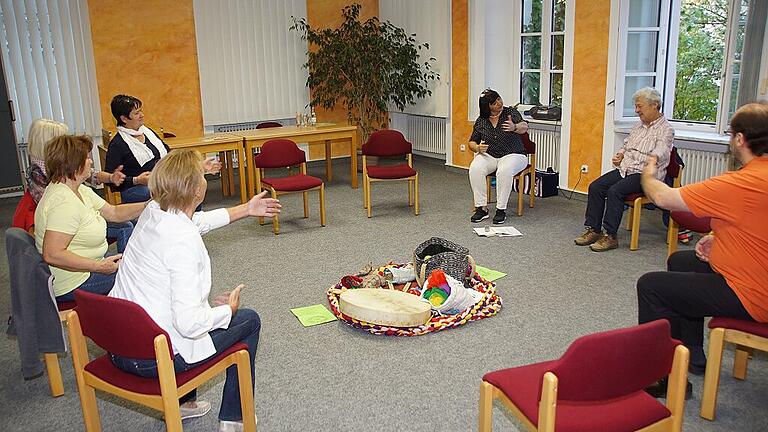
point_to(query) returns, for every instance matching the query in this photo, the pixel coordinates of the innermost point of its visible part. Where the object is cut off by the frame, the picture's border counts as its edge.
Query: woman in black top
(135, 147)
(498, 147)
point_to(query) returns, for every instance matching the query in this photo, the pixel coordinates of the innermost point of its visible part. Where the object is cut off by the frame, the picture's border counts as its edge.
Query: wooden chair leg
(672, 237)
(410, 193)
(322, 204)
(630, 213)
(712, 373)
(740, 360)
(416, 195)
(54, 374)
(488, 188)
(635, 238)
(368, 196)
(486, 407)
(678, 379)
(224, 178)
(246, 391)
(90, 409)
(275, 219)
(306, 204)
(548, 403)
(519, 201)
(533, 187)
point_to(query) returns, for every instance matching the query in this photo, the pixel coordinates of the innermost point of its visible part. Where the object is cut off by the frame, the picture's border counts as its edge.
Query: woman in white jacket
(167, 271)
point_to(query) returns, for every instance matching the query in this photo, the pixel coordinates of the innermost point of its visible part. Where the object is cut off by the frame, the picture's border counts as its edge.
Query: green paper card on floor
(313, 315)
(489, 274)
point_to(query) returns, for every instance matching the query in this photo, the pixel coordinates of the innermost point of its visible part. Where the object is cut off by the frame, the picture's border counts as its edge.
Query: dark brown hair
(751, 120)
(65, 156)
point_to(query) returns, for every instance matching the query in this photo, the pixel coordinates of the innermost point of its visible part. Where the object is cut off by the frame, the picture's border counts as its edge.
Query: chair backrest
(24, 215)
(386, 143)
(279, 153)
(675, 163)
(269, 124)
(119, 326)
(530, 146)
(615, 363)
(692, 222)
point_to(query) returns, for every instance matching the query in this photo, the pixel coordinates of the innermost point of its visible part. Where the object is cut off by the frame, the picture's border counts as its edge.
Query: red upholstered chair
(269, 124)
(384, 144)
(284, 153)
(686, 220)
(747, 336)
(637, 200)
(530, 148)
(597, 385)
(123, 328)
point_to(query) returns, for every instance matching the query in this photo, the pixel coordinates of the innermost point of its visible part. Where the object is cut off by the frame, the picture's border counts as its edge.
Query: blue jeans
(97, 283)
(244, 327)
(134, 194)
(121, 231)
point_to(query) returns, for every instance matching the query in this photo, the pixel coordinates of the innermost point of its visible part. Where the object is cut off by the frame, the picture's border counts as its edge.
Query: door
(10, 173)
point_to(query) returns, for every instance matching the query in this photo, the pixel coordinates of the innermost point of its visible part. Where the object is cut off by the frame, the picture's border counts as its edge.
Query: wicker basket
(439, 253)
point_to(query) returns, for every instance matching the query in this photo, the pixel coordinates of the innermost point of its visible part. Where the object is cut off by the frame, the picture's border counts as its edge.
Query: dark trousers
(684, 295)
(244, 327)
(605, 203)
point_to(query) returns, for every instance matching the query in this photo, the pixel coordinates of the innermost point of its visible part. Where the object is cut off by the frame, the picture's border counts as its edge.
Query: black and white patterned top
(500, 143)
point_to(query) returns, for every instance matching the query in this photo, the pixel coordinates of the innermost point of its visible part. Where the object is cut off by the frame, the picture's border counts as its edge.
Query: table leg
(353, 158)
(225, 189)
(328, 166)
(241, 173)
(231, 172)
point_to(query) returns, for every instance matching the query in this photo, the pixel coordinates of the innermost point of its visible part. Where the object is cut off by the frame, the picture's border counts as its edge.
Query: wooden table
(218, 143)
(318, 134)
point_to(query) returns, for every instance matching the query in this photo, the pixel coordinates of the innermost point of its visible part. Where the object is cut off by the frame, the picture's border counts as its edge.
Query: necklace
(495, 116)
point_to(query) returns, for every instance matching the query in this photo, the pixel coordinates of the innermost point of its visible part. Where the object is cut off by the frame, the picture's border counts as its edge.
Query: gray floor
(333, 377)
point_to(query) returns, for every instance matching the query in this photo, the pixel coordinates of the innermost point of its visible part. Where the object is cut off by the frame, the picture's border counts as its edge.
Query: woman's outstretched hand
(260, 206)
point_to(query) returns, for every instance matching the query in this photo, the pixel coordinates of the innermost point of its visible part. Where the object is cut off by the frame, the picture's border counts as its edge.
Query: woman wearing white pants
(498, 147)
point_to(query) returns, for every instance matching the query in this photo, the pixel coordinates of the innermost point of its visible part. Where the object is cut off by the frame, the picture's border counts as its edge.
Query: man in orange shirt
(727, 273)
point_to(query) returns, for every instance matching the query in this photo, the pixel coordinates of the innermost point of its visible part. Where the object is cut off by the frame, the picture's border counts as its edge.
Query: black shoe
(697, 369)
(499, 217)
(659, 389)
(480, 214)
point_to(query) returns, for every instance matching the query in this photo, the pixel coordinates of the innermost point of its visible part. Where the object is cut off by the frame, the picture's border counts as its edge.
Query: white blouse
(166, 270)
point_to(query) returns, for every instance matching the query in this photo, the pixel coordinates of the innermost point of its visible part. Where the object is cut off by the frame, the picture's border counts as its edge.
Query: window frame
(666, 65)
(546, 34)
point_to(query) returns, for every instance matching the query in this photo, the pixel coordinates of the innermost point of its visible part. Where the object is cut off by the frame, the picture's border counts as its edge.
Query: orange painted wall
(147, 49)
(461, 128)
(590, 68)
(327, 14)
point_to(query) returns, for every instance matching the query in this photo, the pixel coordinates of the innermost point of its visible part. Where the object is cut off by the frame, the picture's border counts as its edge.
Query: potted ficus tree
(365, 67)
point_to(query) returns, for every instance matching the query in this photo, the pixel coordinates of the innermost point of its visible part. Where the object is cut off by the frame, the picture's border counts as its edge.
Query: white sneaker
(233, 426)
(200, 410)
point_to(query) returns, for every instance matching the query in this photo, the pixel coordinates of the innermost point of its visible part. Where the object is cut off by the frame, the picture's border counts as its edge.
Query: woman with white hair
(651, 136)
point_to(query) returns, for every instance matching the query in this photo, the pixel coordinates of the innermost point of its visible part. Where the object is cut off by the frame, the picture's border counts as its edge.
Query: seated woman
(70, 221)
(167, 271)
(135, 147)
(498, 147)
(41, 133)
(651, 136)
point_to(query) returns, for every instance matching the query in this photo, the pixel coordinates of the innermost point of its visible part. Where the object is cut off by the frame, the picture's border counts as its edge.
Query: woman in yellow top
(71, 221)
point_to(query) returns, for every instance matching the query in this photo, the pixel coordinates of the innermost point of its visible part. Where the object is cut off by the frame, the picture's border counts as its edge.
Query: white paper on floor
(489, 231)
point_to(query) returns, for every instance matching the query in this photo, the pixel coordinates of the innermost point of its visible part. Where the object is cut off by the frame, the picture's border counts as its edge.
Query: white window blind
(49, 66)
(429, 20)
(250, 62)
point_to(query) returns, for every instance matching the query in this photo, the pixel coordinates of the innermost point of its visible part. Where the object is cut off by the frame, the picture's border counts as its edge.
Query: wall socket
(585, 168)
(463, 147)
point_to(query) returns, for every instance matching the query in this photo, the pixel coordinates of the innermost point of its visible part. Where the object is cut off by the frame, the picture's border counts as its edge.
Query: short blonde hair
(41, 133)
(176, 179)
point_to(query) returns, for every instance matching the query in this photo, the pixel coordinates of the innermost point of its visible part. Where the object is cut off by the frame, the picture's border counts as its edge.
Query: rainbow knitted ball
(438, 290)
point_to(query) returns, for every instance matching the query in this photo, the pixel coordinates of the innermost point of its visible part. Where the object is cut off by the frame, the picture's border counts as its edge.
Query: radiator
(427, 134)
(701, 164)
(547, 146)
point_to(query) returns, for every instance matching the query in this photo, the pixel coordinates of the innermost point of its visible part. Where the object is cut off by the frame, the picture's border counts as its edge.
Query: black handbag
(547, 183)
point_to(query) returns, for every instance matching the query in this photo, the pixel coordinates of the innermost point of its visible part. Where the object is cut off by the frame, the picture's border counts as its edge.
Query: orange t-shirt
(737, 202)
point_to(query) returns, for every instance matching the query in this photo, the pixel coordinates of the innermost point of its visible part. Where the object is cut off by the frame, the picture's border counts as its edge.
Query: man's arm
(658, 192)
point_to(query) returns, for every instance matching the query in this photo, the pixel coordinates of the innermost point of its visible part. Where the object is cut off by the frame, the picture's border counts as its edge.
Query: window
(542, 42)
(518, 49)
(49, 65)
(695, 52)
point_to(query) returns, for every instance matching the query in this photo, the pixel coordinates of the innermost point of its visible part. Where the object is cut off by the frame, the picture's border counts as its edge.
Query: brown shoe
(606, 242)
(590, 236)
